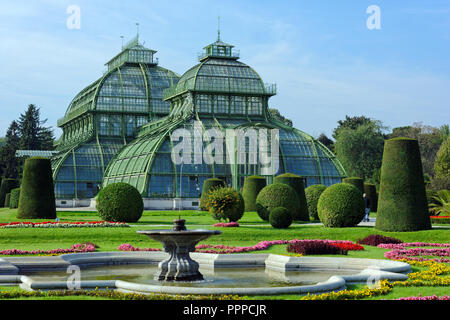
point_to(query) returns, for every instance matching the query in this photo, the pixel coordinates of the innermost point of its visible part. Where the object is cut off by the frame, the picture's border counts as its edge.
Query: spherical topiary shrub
(120, 202)
(37, 195)
(296, 183)
(6, 186)
(312, 194)
(252, 186)
(225, 203)
(402, 202)
(14, 200)
(280, 218)
(208, 186)
(371, 192)
(341, 205)
(7, 200)
(276, 195)
(357, 182)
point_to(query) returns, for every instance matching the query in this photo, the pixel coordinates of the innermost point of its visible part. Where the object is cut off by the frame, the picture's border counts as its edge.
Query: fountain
(179, 242)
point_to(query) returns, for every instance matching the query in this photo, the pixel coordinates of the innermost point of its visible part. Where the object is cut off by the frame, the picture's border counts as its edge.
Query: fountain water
(179, 242)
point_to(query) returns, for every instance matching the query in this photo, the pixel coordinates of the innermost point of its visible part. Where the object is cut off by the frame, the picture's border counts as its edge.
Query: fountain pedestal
(179, 242)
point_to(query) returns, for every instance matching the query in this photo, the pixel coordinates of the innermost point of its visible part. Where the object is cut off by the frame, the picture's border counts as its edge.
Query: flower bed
(440, 219)
(430, 277)
(54, 224)
(400, 252)
(376, 239)
(434, 297)
(314, 247)
(76, 248)
(263, 245)
(227, 225)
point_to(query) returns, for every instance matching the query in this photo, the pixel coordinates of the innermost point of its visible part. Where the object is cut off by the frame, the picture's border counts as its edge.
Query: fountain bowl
(179, 242)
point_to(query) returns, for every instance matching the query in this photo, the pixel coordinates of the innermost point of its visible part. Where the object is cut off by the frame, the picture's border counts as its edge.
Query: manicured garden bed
(251, 231)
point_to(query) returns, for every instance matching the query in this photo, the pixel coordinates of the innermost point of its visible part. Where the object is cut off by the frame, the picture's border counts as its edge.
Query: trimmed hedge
(356, 181)
(280, 218)
(402, 203)
(120, 202)
(371, 192)
(7, 200)
(208, 186)
(14, 200)
(312, 194)
(37, 195)
(226, 203)
(297, 183)
(341, 205)
(276, 195)
(6, 186)
(252, 186)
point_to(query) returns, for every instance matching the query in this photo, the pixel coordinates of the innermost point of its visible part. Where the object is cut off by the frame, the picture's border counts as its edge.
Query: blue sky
(323, 58)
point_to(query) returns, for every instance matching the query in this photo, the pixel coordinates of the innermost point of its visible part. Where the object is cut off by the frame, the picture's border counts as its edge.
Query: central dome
(220, 94)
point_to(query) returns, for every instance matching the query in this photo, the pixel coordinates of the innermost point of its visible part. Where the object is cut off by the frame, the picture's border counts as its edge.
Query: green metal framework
(220, 93)
(105, 116)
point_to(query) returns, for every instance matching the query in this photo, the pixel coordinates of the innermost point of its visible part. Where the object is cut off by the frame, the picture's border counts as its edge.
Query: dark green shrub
(357, 182)
(6, 186)
(208, 186)
(341, 205)
(225, 203)
(120, 202)
(14, 200)
(252, 186)
(371, 192)
(7, 200)
(312, 194)
(297, 183)
(280, 218)
(276, 195)
(402, 203)
(37, 195)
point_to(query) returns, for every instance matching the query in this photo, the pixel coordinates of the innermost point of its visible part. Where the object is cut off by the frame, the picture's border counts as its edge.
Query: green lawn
(251, 231)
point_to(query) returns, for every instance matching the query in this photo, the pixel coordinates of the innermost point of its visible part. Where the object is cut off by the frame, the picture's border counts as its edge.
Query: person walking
(366, 207)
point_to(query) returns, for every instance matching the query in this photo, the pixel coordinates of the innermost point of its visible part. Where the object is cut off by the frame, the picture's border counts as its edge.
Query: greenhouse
(105, 116)
(218, 95)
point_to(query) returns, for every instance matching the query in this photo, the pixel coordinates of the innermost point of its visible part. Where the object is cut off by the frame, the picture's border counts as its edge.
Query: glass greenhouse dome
(105, 116)
(224, 100)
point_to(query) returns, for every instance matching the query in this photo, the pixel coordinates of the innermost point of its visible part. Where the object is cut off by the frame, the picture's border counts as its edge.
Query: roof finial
(137, 31)
(218, 28)
(121, 37)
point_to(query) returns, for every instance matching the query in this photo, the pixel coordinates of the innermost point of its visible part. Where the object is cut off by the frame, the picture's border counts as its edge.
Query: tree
(327, 142)
(8, 162)
(360, 150)
(442, 163)
(351, 123)
(34, 136)
(277, 115)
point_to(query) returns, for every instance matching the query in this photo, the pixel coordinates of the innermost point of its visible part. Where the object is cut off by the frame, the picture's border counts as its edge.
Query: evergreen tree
(9, 163)
(34, 136)
(327, 142)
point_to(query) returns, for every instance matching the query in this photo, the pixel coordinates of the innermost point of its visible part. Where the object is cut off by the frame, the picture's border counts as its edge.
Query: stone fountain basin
(18, 271)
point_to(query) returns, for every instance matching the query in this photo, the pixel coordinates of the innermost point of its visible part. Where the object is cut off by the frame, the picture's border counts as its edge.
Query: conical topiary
(37, 195)
(402, 202)
(356, 181)
(252, 186)
(296, 183)
(371, 192)
(14, 200)
(7, 200)
(208, 185)
(6, 186)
